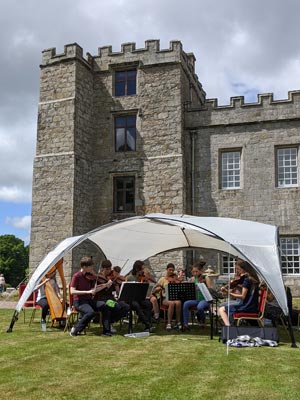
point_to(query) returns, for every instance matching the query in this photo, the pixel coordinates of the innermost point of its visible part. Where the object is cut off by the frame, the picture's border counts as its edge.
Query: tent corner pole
(13, 320)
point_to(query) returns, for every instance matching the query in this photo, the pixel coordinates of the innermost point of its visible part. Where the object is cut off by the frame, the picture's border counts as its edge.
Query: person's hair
(117, 269)
(170, 265)
(86, 262)
(137, 266)
(199, 265)
(106, 264)
(252, 275)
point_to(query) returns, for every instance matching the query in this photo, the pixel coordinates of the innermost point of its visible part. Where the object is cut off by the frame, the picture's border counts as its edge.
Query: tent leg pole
(13, 320)
(291, 332)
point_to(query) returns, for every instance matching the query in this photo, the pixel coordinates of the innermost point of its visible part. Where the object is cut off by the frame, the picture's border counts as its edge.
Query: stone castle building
(131, 132)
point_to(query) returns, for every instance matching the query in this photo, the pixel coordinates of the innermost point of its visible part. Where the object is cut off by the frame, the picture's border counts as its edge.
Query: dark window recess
(124, 189)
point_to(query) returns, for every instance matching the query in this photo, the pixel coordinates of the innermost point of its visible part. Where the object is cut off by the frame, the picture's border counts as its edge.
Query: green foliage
(164, 366)
(14, 259)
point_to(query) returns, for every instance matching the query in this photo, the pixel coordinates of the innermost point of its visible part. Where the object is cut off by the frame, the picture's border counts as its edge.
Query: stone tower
(111, 139)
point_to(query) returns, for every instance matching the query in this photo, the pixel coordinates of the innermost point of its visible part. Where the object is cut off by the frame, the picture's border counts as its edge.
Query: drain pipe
(192, 135)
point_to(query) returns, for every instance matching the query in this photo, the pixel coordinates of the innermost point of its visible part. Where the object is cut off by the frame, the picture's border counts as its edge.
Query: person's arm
(73, 291)
(242, 295)
(41, 284)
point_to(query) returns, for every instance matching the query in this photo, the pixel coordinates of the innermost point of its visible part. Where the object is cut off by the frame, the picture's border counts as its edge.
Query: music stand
(186, 291)
(181, 291)
(132, 291)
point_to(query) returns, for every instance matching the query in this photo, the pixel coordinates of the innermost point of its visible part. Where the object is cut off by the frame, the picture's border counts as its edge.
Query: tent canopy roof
(131, 239)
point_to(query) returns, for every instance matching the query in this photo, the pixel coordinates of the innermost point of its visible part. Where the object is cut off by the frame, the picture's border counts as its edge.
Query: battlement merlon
(71, 51)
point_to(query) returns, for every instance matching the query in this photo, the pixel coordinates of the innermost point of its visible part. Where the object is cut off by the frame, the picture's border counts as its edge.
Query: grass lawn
(164, 366)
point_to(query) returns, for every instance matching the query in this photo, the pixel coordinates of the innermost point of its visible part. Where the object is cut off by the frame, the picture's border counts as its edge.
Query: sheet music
(204, 290)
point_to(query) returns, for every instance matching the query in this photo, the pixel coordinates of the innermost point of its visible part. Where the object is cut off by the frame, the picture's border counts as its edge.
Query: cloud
(14, 194)
(242, 48)
(19, 222)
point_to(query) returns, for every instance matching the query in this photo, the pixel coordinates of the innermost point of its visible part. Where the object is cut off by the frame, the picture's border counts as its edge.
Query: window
(228, 265)
(287, 167)
(231, 170)
(125, 83)
(290, 255)
(124, 193)
(125, 133)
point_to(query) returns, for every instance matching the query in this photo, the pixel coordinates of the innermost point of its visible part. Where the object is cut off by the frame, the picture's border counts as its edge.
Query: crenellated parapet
(263, 100)
(266, 109)
(71, 52)
(149, 56)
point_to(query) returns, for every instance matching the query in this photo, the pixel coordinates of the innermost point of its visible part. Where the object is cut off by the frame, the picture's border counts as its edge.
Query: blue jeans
(202, 305)
(87, 308)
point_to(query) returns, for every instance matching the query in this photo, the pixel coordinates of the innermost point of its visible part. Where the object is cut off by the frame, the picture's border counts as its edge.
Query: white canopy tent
(131, 239)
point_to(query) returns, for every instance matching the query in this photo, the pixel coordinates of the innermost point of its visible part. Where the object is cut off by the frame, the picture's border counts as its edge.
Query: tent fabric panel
(46, 264)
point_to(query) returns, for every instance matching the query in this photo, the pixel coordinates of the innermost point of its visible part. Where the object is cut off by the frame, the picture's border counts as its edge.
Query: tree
(14, 259)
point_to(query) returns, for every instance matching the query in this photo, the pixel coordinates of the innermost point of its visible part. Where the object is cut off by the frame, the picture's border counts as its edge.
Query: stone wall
(256, 129)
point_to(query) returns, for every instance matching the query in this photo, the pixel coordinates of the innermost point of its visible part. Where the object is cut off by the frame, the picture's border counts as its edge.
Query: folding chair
(35, 307)
(259, 316)
(29, 302)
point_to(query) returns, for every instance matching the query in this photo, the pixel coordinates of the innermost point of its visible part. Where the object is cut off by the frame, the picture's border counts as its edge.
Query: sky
(242, 48)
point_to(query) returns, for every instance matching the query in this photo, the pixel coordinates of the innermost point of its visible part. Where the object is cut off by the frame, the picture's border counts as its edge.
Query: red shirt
(80, 282)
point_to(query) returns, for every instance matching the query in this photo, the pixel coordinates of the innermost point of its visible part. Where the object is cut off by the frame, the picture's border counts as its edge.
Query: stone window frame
(221, 169)
(128, 114)
(290, 255)
(126, 81)
(285, 170)
(124, 192)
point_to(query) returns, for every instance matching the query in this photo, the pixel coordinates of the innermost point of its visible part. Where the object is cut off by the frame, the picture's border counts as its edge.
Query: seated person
(41, 299)
(181, 274)
(118, 309)
(236, 285)
(200, 302)
(83, 288)
(142, 308)
(248, 296)
(162, 284)
(147, 277)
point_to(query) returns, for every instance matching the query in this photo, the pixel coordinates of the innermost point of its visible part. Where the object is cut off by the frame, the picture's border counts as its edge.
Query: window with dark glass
(125, 83)
(290, 255)
(124, 190)
(125, 133)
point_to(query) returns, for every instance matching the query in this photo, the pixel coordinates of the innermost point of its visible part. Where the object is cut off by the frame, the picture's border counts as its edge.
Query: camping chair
(259, 316)
(29, 302)
(35, 307)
